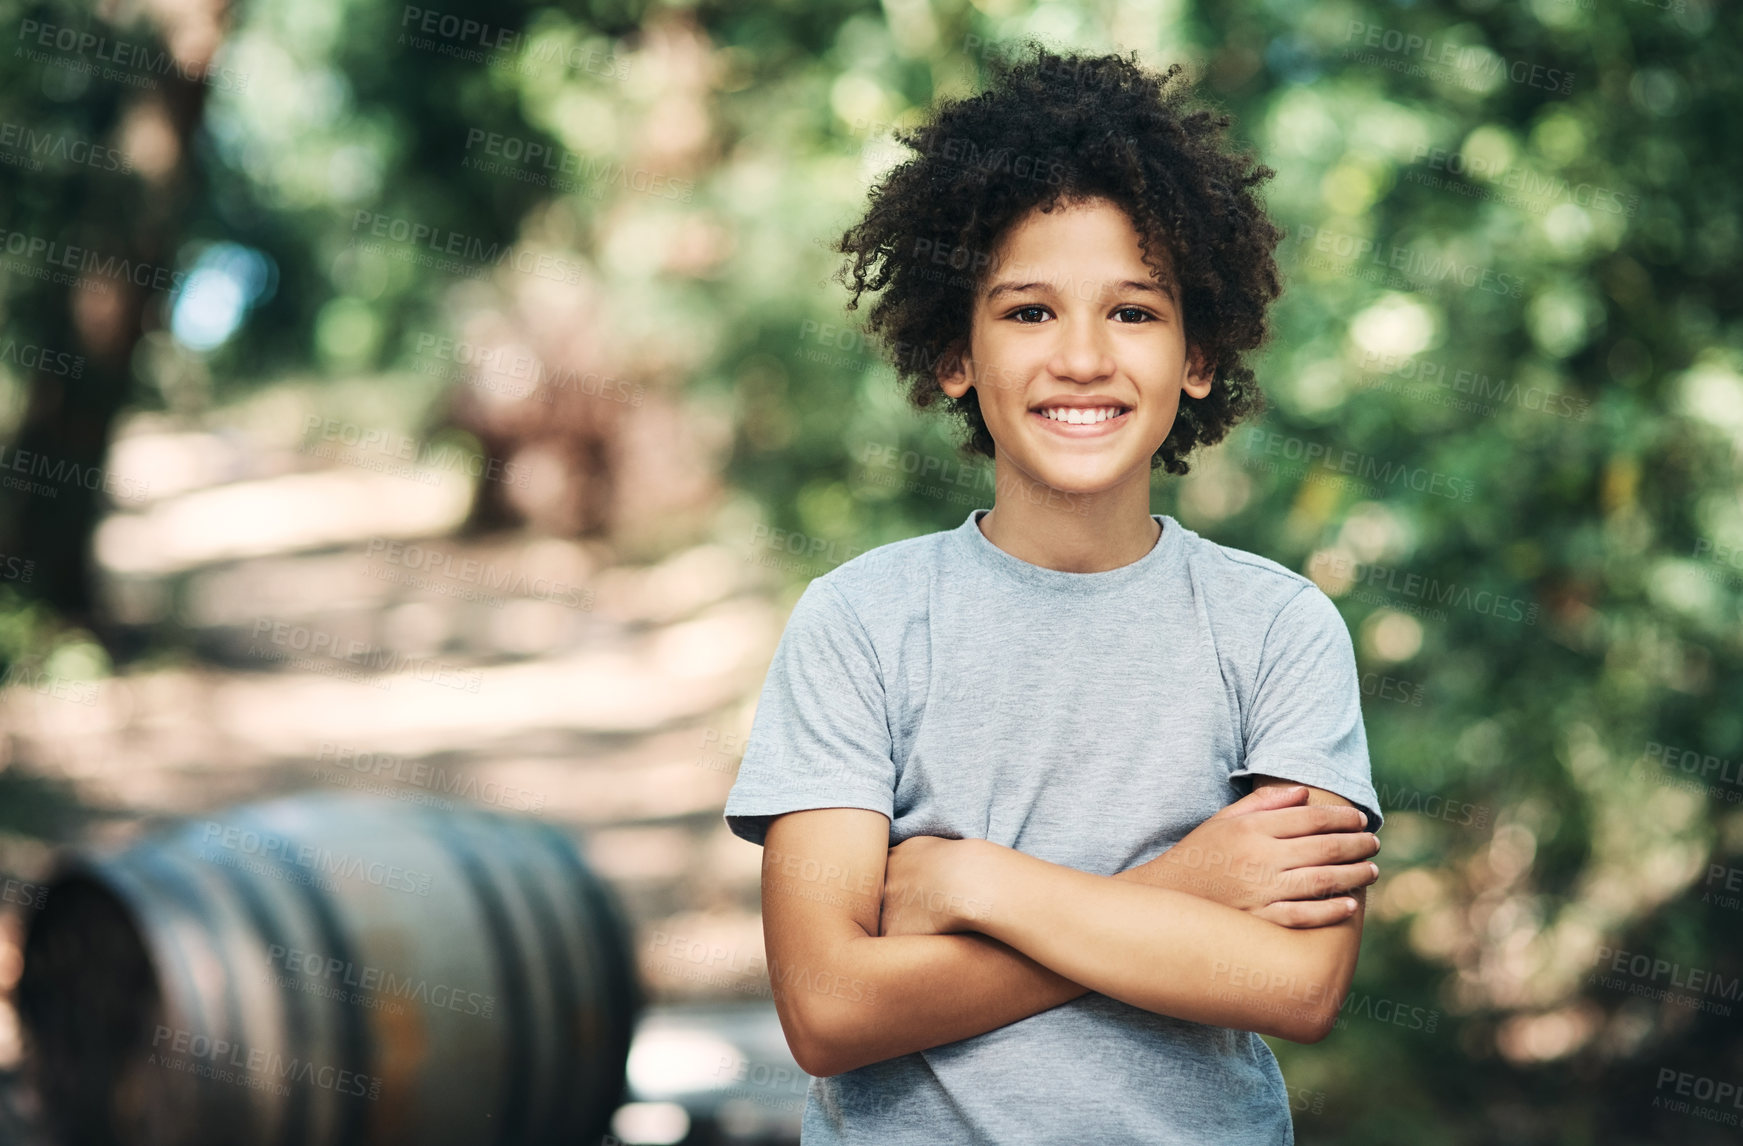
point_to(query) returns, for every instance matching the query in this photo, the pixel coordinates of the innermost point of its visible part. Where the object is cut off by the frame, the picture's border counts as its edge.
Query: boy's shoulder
(1244, 582)
(1239, 567)
(885, 574)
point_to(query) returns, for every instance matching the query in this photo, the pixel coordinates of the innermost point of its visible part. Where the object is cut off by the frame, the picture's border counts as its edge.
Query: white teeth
(1080, 417)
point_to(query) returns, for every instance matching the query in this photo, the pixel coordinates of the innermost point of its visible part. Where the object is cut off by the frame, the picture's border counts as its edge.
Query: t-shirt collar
(1162, 556)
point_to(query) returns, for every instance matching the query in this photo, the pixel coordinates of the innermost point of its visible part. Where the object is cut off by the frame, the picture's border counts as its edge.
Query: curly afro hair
(1061, 128)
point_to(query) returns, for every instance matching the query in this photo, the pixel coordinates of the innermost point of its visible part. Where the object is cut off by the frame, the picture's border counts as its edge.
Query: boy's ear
(955, 373)
(1199, 374)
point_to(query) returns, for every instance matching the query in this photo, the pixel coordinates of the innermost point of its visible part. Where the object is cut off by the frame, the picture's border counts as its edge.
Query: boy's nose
(1083, 354)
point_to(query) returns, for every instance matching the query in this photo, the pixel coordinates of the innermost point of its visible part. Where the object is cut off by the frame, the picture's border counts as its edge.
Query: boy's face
(1070, 316)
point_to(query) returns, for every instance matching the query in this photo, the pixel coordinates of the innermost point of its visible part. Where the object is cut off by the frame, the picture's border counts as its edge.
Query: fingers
(1285, 823)
(1274, 796)
(1329, 848)
(1266, 797)
(1327, 881)
(1308, 912)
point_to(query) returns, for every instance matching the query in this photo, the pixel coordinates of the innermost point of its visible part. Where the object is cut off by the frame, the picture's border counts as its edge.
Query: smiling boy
(1012, 891)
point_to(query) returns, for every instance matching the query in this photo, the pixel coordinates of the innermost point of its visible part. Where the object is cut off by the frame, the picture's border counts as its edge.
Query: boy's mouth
(1082, 421)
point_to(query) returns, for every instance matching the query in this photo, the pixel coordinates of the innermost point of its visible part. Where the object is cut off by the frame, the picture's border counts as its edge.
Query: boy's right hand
(1271, 854)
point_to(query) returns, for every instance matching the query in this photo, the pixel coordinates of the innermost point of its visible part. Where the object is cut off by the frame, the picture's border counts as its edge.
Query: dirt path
(329, 631)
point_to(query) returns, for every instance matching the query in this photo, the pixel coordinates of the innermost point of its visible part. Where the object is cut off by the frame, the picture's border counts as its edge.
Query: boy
(1009, 895)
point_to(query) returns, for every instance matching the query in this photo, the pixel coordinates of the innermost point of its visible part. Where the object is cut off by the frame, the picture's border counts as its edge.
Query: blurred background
(450, 402)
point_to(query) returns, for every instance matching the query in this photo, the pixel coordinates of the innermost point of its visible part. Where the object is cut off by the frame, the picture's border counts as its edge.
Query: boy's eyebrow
(1165, 289)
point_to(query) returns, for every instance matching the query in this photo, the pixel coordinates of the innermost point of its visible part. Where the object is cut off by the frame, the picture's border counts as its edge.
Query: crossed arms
(876, 952)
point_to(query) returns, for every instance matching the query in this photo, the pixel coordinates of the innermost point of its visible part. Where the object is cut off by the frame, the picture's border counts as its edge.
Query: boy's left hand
(926, 888)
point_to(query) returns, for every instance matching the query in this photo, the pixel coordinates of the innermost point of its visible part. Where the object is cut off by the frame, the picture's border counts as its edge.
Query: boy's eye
(1132, 315)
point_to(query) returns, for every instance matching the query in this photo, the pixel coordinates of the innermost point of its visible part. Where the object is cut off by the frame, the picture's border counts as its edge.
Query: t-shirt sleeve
(1304, 722)
(821, 735)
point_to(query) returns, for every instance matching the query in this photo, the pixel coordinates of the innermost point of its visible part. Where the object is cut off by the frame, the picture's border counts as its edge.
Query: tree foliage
(1506, 425)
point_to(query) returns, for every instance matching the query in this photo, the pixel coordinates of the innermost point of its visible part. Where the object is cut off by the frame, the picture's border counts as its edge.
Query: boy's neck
(1072, 532)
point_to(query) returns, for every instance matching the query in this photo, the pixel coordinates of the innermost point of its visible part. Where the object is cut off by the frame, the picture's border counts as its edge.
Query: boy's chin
(1082, 481)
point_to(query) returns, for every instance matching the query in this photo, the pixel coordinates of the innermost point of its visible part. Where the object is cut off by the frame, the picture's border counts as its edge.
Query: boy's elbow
(1330, 972)
(804, 1041)
(823, 1059)
(816, 1051)
(1312, 1026)
(826, 1031)
(1298, 1024)
(812, 1060)
(1316, 1022)
(819, 1062)
(815, 1037)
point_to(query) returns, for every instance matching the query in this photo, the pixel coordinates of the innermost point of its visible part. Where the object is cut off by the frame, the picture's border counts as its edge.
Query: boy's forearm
(1217, 965)
(1163, 950)
(988, 985)
(909, 993)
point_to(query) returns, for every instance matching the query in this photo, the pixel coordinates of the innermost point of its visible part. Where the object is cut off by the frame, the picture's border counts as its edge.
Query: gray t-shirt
(1089, 719)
